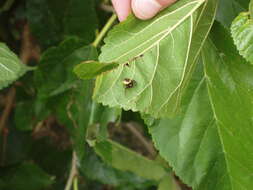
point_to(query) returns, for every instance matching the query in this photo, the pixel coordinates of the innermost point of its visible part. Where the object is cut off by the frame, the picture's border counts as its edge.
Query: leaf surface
(11, 67)
(231, 93)
(29, 176)
(124, 159)
(210, 145)
(91, 69)
(94, 168)
(134, 37)
(162, 64)
(51, 21)
(55, 70)
(168, 183)
(228, 10)
(242, 33)
(62, 93)
(191, 145)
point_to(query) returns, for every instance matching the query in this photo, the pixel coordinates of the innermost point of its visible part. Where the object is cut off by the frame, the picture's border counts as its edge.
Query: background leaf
(224, 70)
(242, 33)
(206, 145)
(11, 67)
(191, 145)
(29, 176)
(122, 158)
(229, 9)
(94, 168)
(54, 75)
(51, 21)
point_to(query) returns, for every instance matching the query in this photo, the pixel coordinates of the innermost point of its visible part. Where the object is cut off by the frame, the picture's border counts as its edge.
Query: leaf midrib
(6, 68)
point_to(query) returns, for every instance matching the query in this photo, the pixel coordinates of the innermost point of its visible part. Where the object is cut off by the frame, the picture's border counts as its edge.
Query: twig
(8, 107)
(75, 183)
(104, 30)
(149, 147)
(7, 110)
(73, 172)
(29, 49)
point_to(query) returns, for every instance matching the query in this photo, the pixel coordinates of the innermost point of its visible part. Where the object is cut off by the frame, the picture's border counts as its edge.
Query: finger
(145, 9)
(122, 8)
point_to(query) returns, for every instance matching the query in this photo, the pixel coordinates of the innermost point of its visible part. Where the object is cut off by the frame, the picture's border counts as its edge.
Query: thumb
(145, 9)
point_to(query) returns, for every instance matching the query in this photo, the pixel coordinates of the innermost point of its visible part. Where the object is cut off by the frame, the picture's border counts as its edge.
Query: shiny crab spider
(128, 83)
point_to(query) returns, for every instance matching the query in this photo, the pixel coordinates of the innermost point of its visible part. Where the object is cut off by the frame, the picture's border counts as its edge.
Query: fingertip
(145, 9)
(122, 8)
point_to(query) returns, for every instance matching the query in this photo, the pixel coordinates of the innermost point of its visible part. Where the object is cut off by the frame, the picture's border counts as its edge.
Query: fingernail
(122, 8)
(145, 9)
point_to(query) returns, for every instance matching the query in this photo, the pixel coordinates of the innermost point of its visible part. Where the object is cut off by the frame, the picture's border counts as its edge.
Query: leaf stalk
(105, 29)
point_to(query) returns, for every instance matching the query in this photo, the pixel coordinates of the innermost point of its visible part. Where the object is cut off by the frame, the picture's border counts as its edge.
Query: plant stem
(75, 183)
(73, 172)
(148, 145)
(104, 30)
(10, 101)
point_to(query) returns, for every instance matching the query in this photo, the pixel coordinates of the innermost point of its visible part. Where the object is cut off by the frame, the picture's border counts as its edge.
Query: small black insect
(129, 83)
(127, 64)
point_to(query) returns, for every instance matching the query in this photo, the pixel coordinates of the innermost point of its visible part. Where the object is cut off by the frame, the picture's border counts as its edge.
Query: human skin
(143, 9)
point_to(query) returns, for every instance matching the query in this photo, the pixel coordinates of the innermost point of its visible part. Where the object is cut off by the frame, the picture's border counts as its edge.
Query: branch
(105, 29)
(73, 172)
(6, 112)
(8, 107)
(149, 147)
(29, 49)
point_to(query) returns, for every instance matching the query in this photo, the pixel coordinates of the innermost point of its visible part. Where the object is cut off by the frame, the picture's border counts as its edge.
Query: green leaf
(124, 159)
(209, 145)
(133, 37)
(91, 69)
(80, 19)
(100, 117)
(242, 33)
(68, 98)
(161, 55)
(168, 183)
(94, 168)
(51, 21)
(74, 111)
(191, 145)
(251, 9)
(23, 117)
(55, 70)
(29, 176)
(229, 9)
(231, 93)
(11, 67)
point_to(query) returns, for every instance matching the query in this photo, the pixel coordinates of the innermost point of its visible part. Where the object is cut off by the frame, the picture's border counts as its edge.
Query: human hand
(143, 9)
